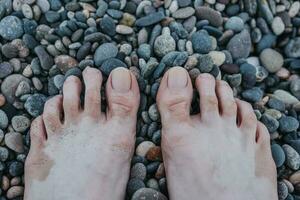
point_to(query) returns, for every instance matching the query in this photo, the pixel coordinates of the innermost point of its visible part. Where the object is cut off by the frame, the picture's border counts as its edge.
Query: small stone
(205, 63)
(3, 120)
(218, 57)
(147, 194)
(46, 60)
(276, 104)
(11, 27)
(15, 192)
(5, 69)
(292, 49)
(4, 154)
(292, 157)
(235, 23)
(240, 45)
(154, 154)
(16, 168)
(288, 124)
(65, 62)
(271, 60)
(295, 88)
(202, 42)
(22, 89)
(253, 95)
(278, 155)
(270, 122)
(153, 112)
(27, 11)
(164, 44)
(278, 26)
(34, 105)
(44, 5)
(20, 123)
(110, 64)
(285, 97)
(138, 171)
(150, 19)
(133, 185)
(14, 141)
(143, 148)
(214, 17)
(282, 190)
(294, 9)
(10, 85)
(183, 13)
(104, 52)
(144, 51)
(124, 30)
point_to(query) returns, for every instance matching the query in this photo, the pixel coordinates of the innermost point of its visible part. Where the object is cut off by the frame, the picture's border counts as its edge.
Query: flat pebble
(285, 97)
(278, 26)
(278, 155)
(253, 95)
(214, 17)
(105, 51)
(240, 45)
(292, 157)
(271, 60)
(288, 124)
(14, 141)
(110, 64)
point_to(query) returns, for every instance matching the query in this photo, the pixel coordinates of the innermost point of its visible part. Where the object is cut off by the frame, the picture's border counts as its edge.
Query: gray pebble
(104, 52)
(34, 105)
(11, 27)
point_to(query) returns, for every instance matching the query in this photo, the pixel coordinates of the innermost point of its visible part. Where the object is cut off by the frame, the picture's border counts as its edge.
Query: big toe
(123, 95)
(174, 96)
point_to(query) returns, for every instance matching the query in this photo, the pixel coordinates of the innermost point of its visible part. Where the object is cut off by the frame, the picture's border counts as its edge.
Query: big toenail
(177, 78)
(121, 79)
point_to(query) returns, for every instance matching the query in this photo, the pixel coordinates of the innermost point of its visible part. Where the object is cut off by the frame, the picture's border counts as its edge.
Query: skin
(221, 153)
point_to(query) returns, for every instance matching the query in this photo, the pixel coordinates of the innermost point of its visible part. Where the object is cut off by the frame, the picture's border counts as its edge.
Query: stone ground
(252, 44)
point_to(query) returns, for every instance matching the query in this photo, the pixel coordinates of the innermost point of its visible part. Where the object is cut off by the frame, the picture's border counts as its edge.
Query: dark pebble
(35, 104)
(288, 124)
(16, 168)
(45, 59)
(110, 64)
(150, 19)
(278, 155)
(253, 95)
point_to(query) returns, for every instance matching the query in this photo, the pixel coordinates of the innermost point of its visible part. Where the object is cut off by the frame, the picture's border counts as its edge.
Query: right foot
(222, 153)
(87, 155)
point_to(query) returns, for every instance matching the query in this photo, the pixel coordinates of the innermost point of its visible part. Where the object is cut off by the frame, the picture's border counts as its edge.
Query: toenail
(177, 78)
(121, 79)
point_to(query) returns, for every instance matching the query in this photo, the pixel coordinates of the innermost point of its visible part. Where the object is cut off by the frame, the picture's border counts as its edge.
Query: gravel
(253, 45)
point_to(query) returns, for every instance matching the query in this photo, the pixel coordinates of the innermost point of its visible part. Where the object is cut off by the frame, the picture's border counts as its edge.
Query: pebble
(164, 44)
(205, 63)
(148, 193)
(288, 124)
(207, 13)
(109, 64)
(183, 13)
(292, 157)
(295, 88)
(202, 43)
(11, 27)
(138, 171)
(34, 105)
(278, 155)
(270, 122)
(44, 5)
(15, 192)
(271, 60)
(143, 148)
(240, 45)
(65, 62)
(153, 112)
(104, 52)
(124, 30)
(218, 57)
(292, 49)
(14, 141)
(144, 51)
(282, 190)
(235, 23)
(285, 97)
(46, 60)
(3, 120)
(278, 26)
(20, 123)
(5, 69)
(4, 153)
(253, 95)
(133, 185)
(150, 19)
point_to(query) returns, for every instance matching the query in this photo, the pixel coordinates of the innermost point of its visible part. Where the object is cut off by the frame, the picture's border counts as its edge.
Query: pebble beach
(254, 45)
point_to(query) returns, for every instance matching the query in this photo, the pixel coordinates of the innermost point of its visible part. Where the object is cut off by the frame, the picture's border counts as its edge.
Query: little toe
(247, 120)
(38, 133)
(123, 95)
(53, 113)
(92, 101)
(227, 104)
(205, 84)
(71, 98)
(174, 96)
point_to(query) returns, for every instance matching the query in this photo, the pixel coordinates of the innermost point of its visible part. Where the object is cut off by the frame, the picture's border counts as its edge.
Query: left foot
(87, 155)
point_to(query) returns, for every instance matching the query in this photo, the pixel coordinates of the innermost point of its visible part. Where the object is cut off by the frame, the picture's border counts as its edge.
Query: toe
(175, 95)
(71, 98)
(247, 120)
(122, 93)
(227, 105)
(52, 115)
(206, 84)
(262, 135)
(92, 102)
(38, 133)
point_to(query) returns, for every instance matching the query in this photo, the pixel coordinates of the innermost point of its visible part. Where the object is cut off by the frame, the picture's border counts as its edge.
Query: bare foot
(85, 154)
(211, 156)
